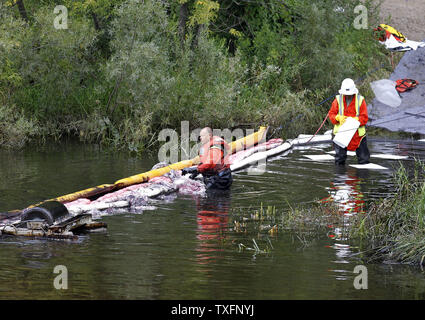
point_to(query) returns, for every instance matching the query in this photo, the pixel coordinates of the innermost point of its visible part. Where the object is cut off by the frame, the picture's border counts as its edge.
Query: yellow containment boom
(235, 146)
(87, 193)
(245, 142)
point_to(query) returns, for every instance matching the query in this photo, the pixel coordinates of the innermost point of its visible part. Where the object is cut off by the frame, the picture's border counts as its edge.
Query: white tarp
(377, 155)
(386, 92)
(388, 156)
(349, 153)
(320, 157)
(394, 45)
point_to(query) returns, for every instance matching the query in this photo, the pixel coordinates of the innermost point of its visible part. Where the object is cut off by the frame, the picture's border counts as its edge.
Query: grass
(305, 223)
(394, 229)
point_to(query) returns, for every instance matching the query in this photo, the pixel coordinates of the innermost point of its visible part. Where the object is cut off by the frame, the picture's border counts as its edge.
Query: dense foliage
(124, 70)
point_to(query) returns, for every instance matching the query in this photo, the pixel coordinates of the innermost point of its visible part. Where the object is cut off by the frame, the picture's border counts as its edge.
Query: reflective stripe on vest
(358, 102)
(214, 143)
(220, 147)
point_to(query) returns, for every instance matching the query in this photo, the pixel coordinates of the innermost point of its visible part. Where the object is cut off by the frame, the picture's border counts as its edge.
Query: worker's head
(205, 135)
(348, 88)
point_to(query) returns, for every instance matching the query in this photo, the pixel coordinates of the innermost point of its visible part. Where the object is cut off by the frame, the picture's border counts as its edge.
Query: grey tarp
(411, 66)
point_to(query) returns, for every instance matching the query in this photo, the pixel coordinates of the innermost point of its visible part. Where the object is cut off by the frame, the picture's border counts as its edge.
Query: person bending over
(349, 103)
(214, 165)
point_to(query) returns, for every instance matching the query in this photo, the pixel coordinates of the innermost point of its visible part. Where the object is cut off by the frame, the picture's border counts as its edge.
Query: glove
(357, 118)
(194, 175)
(341, 119)
(189, 170)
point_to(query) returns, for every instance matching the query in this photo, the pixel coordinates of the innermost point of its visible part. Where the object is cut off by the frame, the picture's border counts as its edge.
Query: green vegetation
(306, 223)
(124, 70)
(394, 229)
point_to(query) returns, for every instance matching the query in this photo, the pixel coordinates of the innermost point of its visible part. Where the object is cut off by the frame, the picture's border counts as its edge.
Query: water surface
(190, 248)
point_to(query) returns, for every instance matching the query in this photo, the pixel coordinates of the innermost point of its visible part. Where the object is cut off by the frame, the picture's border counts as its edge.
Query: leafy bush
(50, 72)
(15, 129)
(121, 81)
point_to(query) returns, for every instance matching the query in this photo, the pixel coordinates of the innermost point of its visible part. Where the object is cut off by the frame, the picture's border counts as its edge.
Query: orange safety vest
(208, 154)
(358, 102)
(404, 85)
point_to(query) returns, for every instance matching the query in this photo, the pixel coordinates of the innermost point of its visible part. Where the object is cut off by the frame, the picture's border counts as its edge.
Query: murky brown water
(189, 248)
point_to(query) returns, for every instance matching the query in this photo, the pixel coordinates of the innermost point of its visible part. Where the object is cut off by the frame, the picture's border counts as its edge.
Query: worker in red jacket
(214, 165)
(349, 103)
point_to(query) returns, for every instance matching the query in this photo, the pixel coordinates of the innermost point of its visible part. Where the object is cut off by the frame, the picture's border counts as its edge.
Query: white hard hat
(348, 87)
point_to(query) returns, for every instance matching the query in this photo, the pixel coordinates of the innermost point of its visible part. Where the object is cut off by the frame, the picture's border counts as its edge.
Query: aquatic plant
(305, 223)
(394, 228)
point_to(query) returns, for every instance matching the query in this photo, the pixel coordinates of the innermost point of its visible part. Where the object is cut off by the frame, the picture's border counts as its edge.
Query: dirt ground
(407, 16)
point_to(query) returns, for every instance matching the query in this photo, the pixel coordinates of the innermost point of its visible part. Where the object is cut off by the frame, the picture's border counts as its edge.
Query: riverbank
(120, 85)
(393, 230)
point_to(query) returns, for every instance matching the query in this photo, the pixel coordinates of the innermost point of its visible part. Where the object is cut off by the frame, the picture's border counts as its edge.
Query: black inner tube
(49, 211)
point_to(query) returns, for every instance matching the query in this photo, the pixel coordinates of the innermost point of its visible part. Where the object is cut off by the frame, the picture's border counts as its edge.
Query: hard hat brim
(348, 93)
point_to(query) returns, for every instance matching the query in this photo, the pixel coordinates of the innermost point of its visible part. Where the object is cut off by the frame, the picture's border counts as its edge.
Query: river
(191, 248)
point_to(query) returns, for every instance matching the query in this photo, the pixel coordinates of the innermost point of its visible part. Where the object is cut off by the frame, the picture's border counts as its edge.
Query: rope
(319, 104)
(404, 117)
(326, 118)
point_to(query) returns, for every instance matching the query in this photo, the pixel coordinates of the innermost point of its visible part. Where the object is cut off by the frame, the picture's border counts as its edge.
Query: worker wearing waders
(349, 103)
(214, 166)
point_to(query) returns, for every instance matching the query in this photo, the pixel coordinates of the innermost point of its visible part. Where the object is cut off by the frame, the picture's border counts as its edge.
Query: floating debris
(51, 220)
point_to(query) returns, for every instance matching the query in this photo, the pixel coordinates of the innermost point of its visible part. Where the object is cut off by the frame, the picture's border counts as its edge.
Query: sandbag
(386, 92)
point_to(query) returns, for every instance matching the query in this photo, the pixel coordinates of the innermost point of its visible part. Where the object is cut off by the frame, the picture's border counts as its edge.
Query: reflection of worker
(349, 103)
(347, 190)
(213, 215)
(214, 166)
(212, 220)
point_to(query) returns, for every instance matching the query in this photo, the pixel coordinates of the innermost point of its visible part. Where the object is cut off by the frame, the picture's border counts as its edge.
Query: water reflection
(347, 192)
(169, 254)
(212, 225)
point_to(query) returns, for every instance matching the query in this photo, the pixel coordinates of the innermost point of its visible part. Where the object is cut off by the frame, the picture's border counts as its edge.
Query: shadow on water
(197, 248)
